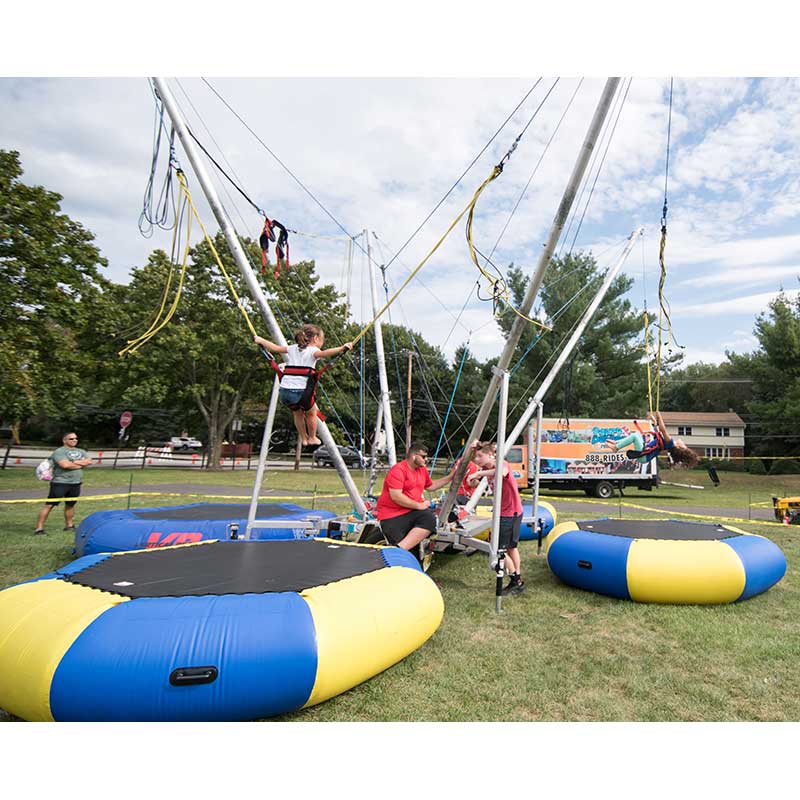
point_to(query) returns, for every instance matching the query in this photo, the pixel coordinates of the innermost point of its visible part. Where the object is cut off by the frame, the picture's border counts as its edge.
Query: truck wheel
(604, 490)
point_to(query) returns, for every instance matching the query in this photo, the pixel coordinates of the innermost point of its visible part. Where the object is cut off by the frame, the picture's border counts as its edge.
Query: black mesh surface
(229, 568)
(657, 529)
(216, 511)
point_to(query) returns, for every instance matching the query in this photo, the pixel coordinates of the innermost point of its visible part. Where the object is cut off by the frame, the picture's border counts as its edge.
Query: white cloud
(747, 304)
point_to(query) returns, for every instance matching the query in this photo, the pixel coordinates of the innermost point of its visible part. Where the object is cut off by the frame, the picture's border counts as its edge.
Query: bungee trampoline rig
(205, 612)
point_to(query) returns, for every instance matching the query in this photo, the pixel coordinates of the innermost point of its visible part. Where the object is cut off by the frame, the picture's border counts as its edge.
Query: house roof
(728, 418)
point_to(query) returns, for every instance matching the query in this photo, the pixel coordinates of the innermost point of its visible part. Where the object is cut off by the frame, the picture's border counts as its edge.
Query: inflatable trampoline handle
(192, 676)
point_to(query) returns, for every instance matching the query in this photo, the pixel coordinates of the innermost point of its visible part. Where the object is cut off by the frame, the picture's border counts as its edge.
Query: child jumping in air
(299, 376)
(647, 445)
(510, 511)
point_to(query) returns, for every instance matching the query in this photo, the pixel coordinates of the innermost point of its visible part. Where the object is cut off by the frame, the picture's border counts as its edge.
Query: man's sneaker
(39, 532)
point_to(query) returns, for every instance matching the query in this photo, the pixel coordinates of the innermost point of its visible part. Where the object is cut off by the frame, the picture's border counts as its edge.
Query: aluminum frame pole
(494, 561)
(262, 457)
(391, 453)
(600, 114)
(243, 265)
(564, 355)
(538, 462)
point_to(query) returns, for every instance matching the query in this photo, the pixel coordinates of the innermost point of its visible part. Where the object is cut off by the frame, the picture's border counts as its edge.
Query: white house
(712, 435)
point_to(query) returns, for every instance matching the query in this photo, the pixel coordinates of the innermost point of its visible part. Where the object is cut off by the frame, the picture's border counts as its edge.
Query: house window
(716, 452)
(684, 430)
(723, 431)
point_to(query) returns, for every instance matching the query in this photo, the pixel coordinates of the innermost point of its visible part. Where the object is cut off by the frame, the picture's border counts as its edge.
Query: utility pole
(247, 273)
(600, 114)
(408, 403)
(391, 454)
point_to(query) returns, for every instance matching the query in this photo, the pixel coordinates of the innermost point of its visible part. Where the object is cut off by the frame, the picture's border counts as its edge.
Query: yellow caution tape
(177, 494)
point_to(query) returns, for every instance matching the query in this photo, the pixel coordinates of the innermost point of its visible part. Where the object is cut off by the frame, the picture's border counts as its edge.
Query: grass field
(556, 653)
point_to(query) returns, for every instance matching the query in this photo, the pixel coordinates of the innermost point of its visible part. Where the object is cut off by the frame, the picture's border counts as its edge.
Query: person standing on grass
(510, 511)
(403, 511)
(68, 463)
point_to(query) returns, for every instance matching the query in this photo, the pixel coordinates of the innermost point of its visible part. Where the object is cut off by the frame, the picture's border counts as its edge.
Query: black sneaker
(39, 532)
(510, 588)
(518, 587)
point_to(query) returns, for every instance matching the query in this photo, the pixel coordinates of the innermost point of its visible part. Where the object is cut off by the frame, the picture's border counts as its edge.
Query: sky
(329, 155)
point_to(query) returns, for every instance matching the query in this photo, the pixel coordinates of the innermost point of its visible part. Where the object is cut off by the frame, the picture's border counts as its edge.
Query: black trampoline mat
(221, 568)
(216, 511)
(657, 529)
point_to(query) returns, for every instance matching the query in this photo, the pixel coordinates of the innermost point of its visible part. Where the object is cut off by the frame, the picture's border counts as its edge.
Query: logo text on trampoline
(168, 539)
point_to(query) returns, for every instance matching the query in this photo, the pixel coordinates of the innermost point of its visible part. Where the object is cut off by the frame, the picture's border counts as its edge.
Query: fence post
(144, 455)
(116, 457)
(8, 450)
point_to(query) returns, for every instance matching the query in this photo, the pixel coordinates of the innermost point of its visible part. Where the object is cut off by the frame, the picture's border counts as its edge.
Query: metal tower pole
(517, 328)
(244, 268)
(391, 454)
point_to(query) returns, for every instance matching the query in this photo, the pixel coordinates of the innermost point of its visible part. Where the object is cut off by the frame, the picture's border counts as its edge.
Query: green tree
(51, 277)
(774, 368)
(606, 375)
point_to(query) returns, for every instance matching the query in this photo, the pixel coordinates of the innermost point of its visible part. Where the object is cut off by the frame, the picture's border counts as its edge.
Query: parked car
(185, 443)
(350, 456)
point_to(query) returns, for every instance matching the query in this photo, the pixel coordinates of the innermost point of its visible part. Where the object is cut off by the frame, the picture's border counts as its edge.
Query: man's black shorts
(396, 528)
(509, 531)
(61, 491)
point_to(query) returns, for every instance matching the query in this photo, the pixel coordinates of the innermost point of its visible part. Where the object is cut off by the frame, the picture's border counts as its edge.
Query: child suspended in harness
(300, 376)
(648, 444)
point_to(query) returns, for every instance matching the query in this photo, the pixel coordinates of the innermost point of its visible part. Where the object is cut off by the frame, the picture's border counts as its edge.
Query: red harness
(306, 402)
(656, 444)
(281, 245)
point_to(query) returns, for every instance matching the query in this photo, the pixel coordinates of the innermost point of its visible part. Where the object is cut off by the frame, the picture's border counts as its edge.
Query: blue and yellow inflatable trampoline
(210, 631)
(138, 528)
(664, 561)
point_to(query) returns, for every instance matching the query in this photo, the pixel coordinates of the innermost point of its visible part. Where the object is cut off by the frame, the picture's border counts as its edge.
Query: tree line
(64, 324)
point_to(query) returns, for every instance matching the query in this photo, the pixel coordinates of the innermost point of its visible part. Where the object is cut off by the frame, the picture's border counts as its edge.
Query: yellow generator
(787, 508)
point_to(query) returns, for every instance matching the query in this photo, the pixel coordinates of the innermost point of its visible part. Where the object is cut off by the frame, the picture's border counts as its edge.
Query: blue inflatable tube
(146, 528)
(215, 631)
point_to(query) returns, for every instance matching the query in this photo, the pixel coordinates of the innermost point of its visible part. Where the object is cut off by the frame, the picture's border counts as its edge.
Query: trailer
(573, 456)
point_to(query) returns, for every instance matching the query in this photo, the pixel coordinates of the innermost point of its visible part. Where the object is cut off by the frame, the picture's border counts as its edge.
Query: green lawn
(556, 653)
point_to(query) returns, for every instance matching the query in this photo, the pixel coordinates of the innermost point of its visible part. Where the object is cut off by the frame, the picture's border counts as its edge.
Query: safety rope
(450, 405)
(495, 172)
(663, 307)
(161, 319)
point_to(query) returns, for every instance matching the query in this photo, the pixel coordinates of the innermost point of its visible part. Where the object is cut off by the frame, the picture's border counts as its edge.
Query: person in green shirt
(68, 463)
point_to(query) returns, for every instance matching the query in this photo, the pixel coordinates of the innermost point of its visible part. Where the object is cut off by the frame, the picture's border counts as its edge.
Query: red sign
(125, 419)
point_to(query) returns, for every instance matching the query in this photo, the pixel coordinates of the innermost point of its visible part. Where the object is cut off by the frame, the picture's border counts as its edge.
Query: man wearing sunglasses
(404, 514)
(68, 463)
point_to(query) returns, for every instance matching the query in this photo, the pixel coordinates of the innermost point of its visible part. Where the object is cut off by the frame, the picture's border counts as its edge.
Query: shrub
(788, 467)
(756, 467)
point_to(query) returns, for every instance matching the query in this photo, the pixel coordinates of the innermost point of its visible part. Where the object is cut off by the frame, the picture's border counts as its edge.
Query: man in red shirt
(404, 514)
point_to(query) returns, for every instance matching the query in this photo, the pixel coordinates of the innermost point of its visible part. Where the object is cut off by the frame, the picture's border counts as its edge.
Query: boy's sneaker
(39, 532)
(514, 587)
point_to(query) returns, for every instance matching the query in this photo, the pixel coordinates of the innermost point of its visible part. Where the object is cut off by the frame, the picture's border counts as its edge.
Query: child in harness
(299, 376)
(648, 444)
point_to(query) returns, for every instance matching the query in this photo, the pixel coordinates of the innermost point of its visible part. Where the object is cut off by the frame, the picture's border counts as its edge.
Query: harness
(309, 397)
(281, 245)
(655, 444)
(312, 375)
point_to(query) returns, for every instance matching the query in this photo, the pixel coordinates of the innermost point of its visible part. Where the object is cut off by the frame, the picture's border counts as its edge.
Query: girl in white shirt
(299, 376)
